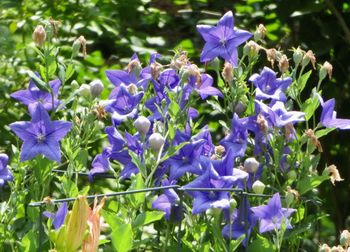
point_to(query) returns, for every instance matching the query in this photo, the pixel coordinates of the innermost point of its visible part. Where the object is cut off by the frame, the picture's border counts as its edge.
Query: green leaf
(310, 183)
(323, 132)
(215, 106)
(235, 243)
(309, 107)
(147, 217)
(303, 80)
(122, 238)
(261, 244)
(69, 72)
(137, 183)
(174, 109)
(39, 82)
(29, 242)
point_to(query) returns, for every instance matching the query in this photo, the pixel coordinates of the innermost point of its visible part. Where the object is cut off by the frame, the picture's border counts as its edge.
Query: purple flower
(272, 215)
(277, 115)
(100, 164)
(33, 95)
(227, 172)
(237, 139)
(243, 221)
(41, 135)
(167, 201)
(204, 88)
(187, 160)
(123, 105)
(268, 86)
(5, 174)
(222, 40)
(329, 116)
(118, 77)
(59, 217)
(204, 200)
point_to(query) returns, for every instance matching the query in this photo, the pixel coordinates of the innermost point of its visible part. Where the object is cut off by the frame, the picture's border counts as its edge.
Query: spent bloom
(5, 174)
(41, 135)
(222, 40)
(39, 36)
(272, 215)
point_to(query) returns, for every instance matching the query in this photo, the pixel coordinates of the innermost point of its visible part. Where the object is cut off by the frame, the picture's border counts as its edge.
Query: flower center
(40, 138)
(212, 195)
(223, 41)
(40, 100)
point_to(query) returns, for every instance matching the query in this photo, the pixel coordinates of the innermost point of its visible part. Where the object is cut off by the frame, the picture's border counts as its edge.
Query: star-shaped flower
(222, 40)
(41, 135)
(33, 95)
(273, 215)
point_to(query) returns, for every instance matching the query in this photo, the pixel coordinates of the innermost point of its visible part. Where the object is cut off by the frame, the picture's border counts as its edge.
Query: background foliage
(115, 29)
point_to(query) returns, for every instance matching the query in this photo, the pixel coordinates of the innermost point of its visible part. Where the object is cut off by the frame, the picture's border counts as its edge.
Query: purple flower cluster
(5, 174)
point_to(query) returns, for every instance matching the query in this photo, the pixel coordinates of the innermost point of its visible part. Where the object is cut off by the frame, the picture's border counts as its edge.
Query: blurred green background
(114, 29)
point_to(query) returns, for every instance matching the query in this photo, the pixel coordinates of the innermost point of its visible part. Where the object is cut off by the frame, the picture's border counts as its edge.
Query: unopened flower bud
(337, 249)
(233, 204)
(271, 55)
(96, 88)
(251, 165)
(79, 43)
(298, 56)
(39, 36)
(74, 85)
(85, 90)
(283, 64)
(227, 72)
(260, 32)
(325, 69)
(258, 187)
(251, 49)
(309, 56)
(156, 141)
(325, 248)
(132, 88)
(142, 124)
(344, 239)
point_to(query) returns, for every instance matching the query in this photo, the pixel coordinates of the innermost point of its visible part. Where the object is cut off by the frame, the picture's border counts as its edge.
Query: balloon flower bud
(156, 141)
(251, 165)
(85, 90)
(96, 88)
(298, 56)
(258, 187)
(142, 124)
(345, 238)
(39, 36)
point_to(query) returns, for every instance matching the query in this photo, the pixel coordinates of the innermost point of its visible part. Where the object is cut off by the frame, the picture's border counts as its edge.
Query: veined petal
(23, 96)
(23, 130)
(210, 51)
(240, 36)
(227, 20)
(58, 129)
